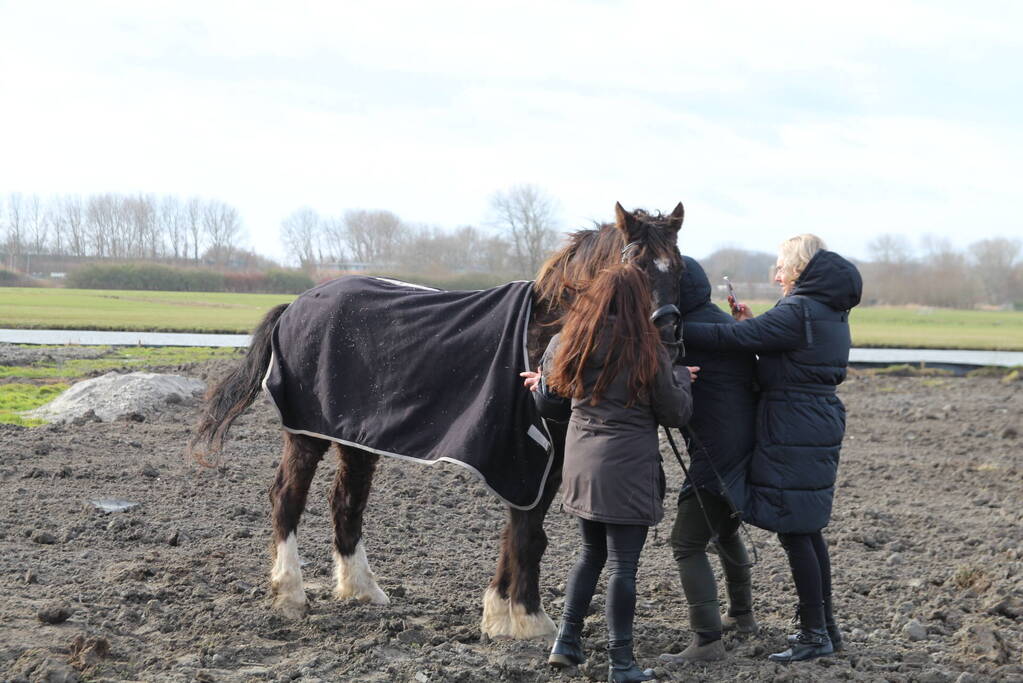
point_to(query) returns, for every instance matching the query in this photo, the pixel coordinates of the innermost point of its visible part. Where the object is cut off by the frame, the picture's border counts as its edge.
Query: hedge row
(11, 278)
(165, 278)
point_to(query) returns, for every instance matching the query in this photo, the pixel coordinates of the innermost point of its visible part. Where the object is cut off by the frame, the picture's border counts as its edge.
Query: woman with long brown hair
(609, 360)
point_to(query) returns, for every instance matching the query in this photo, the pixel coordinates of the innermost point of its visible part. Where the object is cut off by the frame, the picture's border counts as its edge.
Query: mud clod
(54, 614)
(43, 537)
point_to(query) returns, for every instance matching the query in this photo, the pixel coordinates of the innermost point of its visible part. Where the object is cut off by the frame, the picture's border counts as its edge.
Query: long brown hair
(612, 310)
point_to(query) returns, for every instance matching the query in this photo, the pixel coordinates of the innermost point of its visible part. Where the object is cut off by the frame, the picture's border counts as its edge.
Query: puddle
(112, 504)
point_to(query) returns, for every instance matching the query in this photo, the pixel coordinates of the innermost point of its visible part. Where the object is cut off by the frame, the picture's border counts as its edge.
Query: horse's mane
(587, 251)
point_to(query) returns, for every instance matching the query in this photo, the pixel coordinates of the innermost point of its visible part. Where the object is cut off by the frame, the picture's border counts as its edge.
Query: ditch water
(951, 358)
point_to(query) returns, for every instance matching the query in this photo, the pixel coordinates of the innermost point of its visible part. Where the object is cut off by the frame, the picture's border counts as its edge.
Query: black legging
(811, 571)
(619, 546)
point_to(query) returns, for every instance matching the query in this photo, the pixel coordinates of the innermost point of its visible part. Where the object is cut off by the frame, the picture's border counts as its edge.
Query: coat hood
(832, 280)
(693, 286)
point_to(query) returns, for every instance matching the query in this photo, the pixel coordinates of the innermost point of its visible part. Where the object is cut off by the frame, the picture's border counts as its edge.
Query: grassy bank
(238, 313)
(24, 387)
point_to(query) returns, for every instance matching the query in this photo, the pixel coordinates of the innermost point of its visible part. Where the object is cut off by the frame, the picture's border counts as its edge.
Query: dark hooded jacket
(612, 471)
(724, 398)
(803, 345)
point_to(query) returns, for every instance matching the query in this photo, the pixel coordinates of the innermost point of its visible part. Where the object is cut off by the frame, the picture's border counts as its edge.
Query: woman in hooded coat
(803, 348)
(720, 439)
(608, 358)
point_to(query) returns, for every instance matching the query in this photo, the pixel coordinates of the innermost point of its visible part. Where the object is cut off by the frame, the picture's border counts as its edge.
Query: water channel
(931, 357)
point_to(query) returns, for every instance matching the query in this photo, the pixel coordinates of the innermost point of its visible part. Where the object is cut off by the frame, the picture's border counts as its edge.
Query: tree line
(988, 271)
(932, 273)
(117, 226)
(524, 216)
(523, 229)
(138, 227)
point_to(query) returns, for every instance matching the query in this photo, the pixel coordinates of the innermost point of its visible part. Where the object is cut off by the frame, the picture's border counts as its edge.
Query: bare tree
(222, 227)
(38, 226)
(172, 221)
(892, 276)
(100, 222)
(144, 238)
(15, 237)
(528, 216)
(58, 227)
(193, 224)
(334, 238)
(373, 236)
(946, 279)
(995, 261)
(740, 265)
(301, 234)
(890, 249)
(73, 220)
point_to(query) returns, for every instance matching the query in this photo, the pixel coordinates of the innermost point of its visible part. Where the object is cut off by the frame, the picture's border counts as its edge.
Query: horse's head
(648, 240)
(651, 243)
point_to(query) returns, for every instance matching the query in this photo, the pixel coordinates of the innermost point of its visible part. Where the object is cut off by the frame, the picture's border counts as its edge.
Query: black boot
(810, 643)
(832, 625)
(568, 647)
(812, 640)
(834, 633)
(622, 667)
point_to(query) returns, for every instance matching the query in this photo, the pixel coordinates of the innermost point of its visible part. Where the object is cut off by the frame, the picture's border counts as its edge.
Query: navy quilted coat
(803, 345)
(724, 401)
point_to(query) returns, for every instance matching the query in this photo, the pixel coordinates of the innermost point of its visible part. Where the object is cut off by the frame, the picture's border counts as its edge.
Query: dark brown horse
(511, 603)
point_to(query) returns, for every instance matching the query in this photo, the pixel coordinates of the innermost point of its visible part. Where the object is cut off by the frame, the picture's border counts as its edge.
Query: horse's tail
(235, 392)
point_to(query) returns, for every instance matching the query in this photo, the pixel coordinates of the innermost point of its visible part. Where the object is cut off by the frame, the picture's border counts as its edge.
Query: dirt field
(927, 548)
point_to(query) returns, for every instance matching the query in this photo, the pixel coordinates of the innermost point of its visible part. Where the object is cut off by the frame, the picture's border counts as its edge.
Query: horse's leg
(511, 604)
(348, 497)
(287, 498)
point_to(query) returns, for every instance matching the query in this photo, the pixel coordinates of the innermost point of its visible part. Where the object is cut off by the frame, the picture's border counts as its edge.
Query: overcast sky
(764, 119)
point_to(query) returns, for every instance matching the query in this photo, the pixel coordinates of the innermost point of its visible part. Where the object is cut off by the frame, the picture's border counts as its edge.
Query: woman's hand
(693, 369)
(739, 311)
(532, 380)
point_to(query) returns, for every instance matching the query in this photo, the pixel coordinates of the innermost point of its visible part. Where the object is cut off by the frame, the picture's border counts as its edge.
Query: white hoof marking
(504, 619)
(354, 579)
(286, 579)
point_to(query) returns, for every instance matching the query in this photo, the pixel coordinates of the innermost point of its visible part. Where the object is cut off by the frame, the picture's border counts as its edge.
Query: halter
(627, 248)
(677, 342)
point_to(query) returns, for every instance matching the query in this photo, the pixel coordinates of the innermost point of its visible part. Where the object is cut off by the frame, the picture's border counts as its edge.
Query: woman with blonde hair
(803, 349)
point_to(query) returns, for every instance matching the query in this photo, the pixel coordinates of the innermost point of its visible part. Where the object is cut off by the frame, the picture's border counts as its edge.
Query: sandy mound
(115, 396)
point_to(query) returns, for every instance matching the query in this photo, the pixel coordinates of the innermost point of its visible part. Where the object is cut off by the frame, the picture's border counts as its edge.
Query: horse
(511, 603)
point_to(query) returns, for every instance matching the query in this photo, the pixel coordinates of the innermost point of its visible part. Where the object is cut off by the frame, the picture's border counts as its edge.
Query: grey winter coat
(612, 471)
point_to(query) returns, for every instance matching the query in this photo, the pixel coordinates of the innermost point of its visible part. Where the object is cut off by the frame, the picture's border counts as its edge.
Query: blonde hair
(795, 253)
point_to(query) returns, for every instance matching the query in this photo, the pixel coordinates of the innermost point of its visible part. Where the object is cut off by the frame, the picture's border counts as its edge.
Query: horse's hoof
(290, 609)
(505, 619)
(354, 579)
(372, 595)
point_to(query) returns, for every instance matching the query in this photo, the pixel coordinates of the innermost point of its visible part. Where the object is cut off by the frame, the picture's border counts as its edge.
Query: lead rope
(714, 536)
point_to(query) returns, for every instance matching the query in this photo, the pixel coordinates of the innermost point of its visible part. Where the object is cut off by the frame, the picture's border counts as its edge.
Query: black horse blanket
(414, 372)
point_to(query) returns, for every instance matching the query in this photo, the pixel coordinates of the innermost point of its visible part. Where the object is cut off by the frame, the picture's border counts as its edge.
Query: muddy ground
(926, 538)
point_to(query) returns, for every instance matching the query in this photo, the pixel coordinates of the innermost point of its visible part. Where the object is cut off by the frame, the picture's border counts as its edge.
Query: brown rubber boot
(713, 651)
(742, 623)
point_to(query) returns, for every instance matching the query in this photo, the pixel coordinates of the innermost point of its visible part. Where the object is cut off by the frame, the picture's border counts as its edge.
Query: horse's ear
(625, 222)
(675, 217)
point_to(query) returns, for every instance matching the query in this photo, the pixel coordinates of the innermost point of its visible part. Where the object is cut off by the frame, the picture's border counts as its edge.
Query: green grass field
(238, 313)
(100, 309)
(929, 328)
